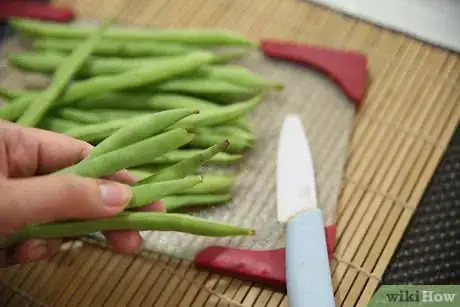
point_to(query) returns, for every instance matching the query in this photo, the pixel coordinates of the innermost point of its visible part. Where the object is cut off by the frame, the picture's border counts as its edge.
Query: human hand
(29, 196)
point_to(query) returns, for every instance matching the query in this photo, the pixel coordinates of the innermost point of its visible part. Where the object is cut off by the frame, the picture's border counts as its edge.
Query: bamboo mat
(411, 110)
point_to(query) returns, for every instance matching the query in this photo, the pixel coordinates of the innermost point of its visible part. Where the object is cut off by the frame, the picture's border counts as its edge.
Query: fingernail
(115, 194)
(37, 250)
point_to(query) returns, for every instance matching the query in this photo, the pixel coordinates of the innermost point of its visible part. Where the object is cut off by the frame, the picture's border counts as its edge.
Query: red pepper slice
(34, 10)
(266, 267)
(348, 69)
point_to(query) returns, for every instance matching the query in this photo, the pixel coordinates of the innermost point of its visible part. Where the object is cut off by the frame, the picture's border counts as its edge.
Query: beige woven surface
(411, 109)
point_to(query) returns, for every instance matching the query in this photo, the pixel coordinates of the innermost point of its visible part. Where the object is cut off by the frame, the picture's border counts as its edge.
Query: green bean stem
(211, 184)
(138, 221)
(179, 202)
(63, 74)
(147, 74)
(197, 37)
(140, 129)
(186, 166)
(144, 194)
(132, 155)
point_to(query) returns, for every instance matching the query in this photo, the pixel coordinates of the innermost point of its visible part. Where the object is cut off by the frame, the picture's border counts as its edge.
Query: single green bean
(197, 37)
(76, 115)
(128, 101)
(132, 49)
(96, 132)
(211, 184)
(144, 194)
(238, 75)
(213, 117)
(57, 124)
(107, 47)
(204, 88)
(106, 115)
(174, 156)
(10, 94)
(234, 131)
(147, 74)
(132, 155)
(179, 202)
(47, 62)
(205, 137)
(63, 74)
(139, 221)
(140, 129)
(187, 165)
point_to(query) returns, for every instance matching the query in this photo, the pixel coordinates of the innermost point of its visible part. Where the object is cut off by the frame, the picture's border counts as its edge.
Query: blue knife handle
(307, 264)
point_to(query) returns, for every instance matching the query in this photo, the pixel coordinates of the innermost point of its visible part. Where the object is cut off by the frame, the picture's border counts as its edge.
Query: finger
(30, 250)
(31, 151)
(44, 199)
(125, 242)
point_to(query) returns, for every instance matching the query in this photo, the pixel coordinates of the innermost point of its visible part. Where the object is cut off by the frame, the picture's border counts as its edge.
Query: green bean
(178, 155)
(211, 184)
(119, 100)
(107, 47)
(147, 74)
(144, 194)
(76, 115)
(13, 94)
(235, 131)
(196, 37)
(140, 129)
(132, 155)
(48, 62)
(106, 115)
(185, 165)
(178, 202)
(213, 117)
(205, 137)
(57, 124)
(139, 221)
(95, 132)
(63, 74)
(238, 75)
(131, 101)
(205, 88)
(10, 94)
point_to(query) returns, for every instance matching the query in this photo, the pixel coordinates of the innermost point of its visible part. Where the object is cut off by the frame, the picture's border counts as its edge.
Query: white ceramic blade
(295, 178)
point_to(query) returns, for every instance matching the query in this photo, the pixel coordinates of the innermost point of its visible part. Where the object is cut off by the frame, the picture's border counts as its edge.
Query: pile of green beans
(162, 103)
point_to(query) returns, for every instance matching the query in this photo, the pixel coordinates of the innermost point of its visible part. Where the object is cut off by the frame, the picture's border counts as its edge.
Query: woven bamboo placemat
(411, 109)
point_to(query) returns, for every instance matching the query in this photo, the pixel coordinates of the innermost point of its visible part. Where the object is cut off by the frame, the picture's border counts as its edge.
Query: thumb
(55, 197)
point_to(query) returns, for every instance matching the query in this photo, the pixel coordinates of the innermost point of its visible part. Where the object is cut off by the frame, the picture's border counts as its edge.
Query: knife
(307, 266)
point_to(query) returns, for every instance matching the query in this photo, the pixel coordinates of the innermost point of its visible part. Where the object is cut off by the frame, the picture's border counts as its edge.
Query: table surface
(429, 252)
